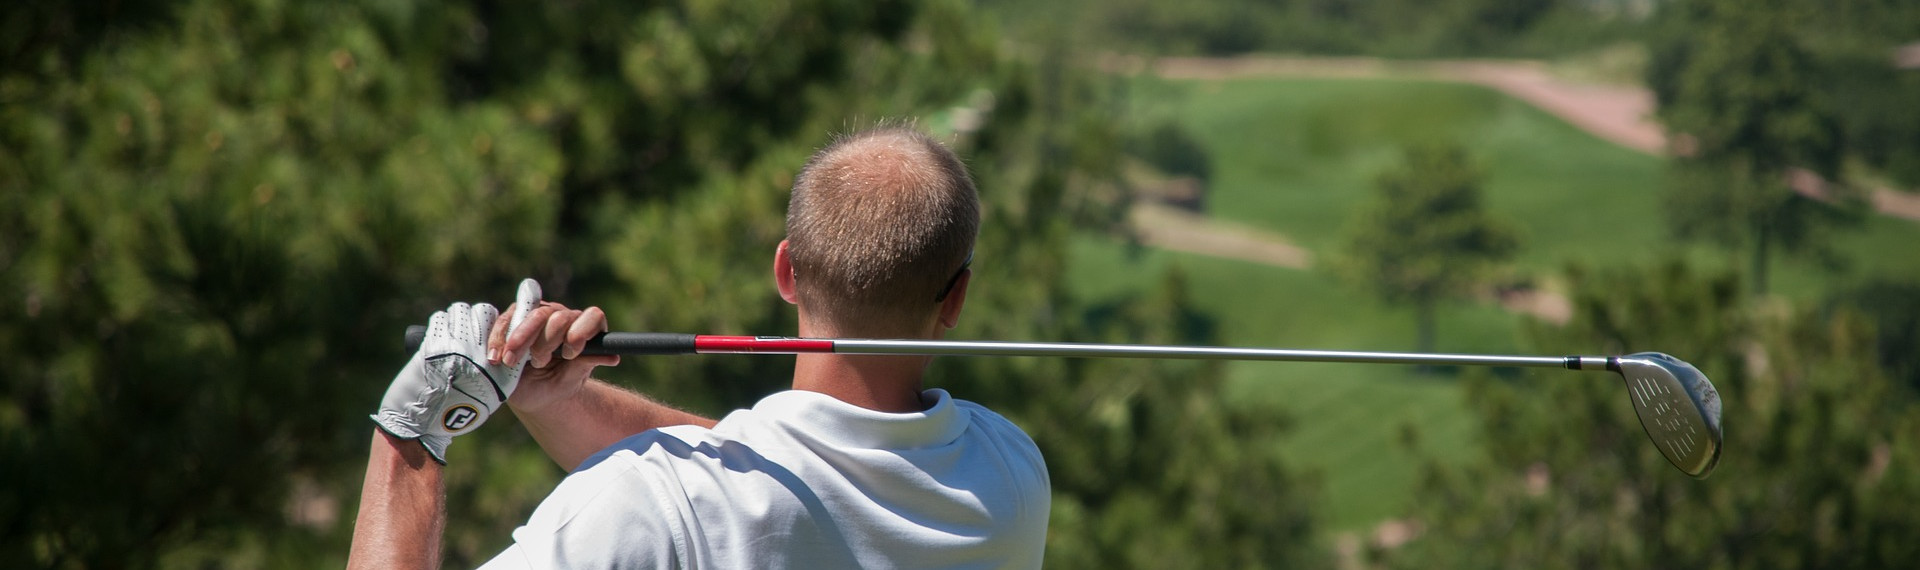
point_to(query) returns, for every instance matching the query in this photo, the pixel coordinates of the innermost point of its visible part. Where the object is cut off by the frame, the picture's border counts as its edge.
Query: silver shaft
(998, 348)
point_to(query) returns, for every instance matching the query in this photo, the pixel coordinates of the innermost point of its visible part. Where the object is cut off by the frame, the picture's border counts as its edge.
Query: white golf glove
(448, 388)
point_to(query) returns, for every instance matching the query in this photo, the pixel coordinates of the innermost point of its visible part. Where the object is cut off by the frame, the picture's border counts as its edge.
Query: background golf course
(1298, 156)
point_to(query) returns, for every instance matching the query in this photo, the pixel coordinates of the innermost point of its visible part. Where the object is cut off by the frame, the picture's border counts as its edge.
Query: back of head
(879, 224)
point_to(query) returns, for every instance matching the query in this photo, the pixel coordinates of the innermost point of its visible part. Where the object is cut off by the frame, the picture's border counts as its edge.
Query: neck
(880, 383)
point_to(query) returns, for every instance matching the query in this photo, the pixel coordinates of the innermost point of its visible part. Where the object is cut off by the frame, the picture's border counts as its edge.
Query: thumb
(607, 360)
(596, 361)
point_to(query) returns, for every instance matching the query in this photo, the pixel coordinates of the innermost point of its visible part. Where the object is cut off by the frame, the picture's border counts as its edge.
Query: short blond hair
(878, 225)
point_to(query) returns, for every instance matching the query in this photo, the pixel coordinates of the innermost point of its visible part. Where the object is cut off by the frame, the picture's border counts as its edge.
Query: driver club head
(1678, 407)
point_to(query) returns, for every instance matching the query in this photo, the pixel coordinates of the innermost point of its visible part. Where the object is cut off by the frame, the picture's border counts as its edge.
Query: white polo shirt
(802, 480)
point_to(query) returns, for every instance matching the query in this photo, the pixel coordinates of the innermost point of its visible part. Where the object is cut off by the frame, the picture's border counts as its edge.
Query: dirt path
(1902, 204)
(1619, 114)
(1170, 228)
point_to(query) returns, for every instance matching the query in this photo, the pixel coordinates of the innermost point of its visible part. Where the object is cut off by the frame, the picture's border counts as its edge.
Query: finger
(480, 320)
(519, 340)
(436, 327)
(483, 317)
(553, 334)
(497, 341)
(460, 322)
(592, 321)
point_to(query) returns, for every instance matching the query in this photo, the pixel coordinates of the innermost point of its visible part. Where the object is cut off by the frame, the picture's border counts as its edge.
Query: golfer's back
(803, 480)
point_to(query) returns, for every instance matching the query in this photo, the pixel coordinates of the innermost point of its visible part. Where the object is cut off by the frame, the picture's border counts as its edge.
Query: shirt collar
(845, 424)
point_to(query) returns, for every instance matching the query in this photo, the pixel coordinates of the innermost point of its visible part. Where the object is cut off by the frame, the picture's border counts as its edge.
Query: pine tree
(1425, 238)
(1736, 86)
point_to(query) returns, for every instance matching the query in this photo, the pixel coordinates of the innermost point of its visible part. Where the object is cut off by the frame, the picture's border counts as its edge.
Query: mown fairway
(1297, 156)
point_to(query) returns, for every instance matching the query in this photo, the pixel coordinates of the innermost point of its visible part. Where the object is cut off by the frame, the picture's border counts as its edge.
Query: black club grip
(622, 343)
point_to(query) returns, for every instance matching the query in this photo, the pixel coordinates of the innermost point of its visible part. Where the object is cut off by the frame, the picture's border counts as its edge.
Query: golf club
(1677, 406)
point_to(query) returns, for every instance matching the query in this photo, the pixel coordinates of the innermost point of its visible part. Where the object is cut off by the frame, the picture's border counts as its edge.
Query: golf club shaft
(626, 343)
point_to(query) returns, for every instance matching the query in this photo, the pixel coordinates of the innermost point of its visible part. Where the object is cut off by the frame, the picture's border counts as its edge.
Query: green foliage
(1740, 88)
(1173, 150)
(203, 224)
(1813, 474)
(1873, 104)
(1155, 467)
(1894, 308)
(1425, 237)
(1738, 85)
(1839, 52)
(215, 216)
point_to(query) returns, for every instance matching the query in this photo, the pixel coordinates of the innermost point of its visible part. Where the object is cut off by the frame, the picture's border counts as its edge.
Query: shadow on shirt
(738, 457)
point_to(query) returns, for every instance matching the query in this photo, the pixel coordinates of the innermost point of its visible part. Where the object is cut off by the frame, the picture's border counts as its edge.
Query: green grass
(1346, 419)
(1882, 249)
(1297, 157)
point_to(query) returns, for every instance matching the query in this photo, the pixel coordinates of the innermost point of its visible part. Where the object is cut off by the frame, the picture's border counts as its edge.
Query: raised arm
(598, 415)
(402, 508)
(569, 414)
(442, 392)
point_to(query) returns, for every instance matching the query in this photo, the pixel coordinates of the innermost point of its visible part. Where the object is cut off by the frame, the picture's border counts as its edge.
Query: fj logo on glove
(458, 417)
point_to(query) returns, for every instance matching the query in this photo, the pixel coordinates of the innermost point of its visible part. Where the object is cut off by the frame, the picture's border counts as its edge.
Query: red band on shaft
(711, 344)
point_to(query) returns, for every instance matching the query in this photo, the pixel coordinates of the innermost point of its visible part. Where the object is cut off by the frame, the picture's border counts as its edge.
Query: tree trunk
(1423, 317)
(1761, 246)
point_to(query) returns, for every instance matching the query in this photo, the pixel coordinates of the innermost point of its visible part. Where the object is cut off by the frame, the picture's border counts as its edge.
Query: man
(856, 466)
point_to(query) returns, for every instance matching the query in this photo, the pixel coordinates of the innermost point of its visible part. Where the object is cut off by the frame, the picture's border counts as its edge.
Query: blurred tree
(1173, 150)
(1425, 237)
(208, 232)
(1737, 86)
(1894, 308)
(1151, 469)
(47, 38)
(1813, 474)
(1855, 77)
(1873, 103)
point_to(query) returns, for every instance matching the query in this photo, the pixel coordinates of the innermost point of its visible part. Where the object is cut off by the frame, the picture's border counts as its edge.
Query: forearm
(402, 508)
(601, 414)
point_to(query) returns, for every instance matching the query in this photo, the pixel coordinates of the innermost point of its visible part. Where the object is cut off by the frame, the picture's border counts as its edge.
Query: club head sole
(1678, 407)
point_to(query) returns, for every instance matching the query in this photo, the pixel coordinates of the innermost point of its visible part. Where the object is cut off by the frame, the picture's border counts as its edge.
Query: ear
(950, 308)
(783, 276)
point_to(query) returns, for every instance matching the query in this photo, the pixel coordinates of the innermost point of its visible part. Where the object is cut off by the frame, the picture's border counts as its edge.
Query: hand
(548, 328)
(448, 388)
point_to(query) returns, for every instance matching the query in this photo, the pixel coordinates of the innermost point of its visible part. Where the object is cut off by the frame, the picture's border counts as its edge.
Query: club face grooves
(1678, 408)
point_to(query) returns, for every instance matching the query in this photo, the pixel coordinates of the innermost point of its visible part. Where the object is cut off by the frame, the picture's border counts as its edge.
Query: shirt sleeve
(607, 516)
